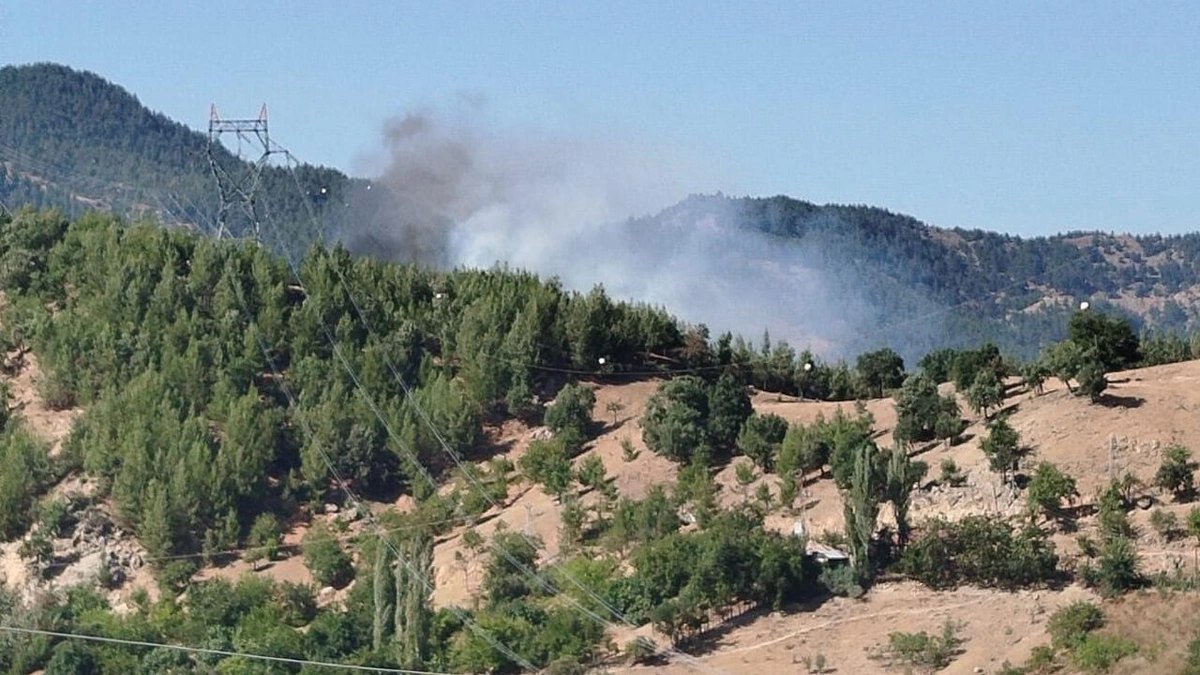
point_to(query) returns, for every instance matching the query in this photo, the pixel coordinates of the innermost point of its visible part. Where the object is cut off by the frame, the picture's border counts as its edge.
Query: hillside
(73, 140)
(1157, 408)
(377, 464)
(929, 287)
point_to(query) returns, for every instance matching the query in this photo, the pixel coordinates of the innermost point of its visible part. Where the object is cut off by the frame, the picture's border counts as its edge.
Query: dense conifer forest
(73, 140)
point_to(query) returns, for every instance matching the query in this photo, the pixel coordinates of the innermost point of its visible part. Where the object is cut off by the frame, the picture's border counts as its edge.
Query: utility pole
(238, 180)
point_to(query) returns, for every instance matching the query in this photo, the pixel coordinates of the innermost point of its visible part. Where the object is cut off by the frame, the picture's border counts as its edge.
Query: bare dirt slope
(50, 425)
(1146, 410)
(997, 627)
(458, 570)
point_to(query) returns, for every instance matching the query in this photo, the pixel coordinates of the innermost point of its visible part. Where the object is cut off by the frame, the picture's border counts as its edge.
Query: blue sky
(1029, 118)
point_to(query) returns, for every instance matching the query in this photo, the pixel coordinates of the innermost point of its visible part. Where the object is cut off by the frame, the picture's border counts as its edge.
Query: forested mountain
(73, 140)
(930, 287)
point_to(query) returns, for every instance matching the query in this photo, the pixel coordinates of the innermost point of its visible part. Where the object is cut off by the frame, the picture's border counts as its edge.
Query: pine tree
(156, 530)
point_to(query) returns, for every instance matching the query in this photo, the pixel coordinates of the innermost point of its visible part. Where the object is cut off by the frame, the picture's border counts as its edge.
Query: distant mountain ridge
(73, 140)
(931, 287)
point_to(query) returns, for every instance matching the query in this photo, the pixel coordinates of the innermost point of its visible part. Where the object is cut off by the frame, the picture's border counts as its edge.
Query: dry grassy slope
(1151, 407)
(53, 426)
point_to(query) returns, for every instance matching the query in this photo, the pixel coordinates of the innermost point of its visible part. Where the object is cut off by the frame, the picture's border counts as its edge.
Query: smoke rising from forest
(450, 193)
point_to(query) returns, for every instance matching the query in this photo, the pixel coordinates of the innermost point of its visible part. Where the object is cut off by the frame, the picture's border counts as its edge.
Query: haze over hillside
(839, 279)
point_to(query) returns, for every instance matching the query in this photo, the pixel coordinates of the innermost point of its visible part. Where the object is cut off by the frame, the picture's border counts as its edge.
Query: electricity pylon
(238, 183)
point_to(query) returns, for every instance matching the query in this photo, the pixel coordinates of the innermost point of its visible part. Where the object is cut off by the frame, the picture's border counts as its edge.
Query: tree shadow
(488, 448)
(1007, 409)
(710, 639)
(1114, 401)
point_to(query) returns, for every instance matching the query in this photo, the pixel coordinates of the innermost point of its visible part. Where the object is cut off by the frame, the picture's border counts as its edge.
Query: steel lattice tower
(238, 184)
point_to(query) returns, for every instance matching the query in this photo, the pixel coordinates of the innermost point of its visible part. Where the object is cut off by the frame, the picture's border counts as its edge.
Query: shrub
(980, 550)
(951, 475)
(639, 650)
(1192, 665)
(1070, 625)
(55, 517)
(1176, 473)
(1116, 569)
(1098, 653)
(265, 538)
(175, 576)
(571, 412)
(298, 601)
(1165, 525)
(324, 557)
(841, 580)
(628, 452)
(925, 650)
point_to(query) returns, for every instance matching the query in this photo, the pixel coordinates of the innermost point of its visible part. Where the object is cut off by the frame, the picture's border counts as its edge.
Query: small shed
(825, 554)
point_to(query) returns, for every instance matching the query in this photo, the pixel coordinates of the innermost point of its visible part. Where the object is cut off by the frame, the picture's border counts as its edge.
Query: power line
(422, 525)
(420, 575)
(215, 652)
(421, 411)
(538, 579)
(532, 574)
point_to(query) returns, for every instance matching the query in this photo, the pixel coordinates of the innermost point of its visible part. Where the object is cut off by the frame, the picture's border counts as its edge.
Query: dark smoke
(458, 195)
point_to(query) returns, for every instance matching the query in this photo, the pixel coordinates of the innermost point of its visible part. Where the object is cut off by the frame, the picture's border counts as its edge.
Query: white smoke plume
(451, 193)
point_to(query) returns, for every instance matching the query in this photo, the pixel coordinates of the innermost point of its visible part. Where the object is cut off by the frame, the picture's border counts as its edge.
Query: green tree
(546, 462)
(1108, 340)
(986, 392)
(324, 557)
(980, 550)
(861, 505)
(507, 575)
(571, 413)
(71, 658)
(1033, 376)
(1176, 474)
(1063, 359)
(803, 450)
(949, 424)
(1048, 488)
(24, 471)
(761, 438)
(903, 475)
(917, 407)
(880, 370)
(1117, 569)
(938, 364)
(1002, 447)
(413, 584)
(1193, 523)
(675, 421)
(592, 474)
(265, 538)
(1092, 381)
(728, 409)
